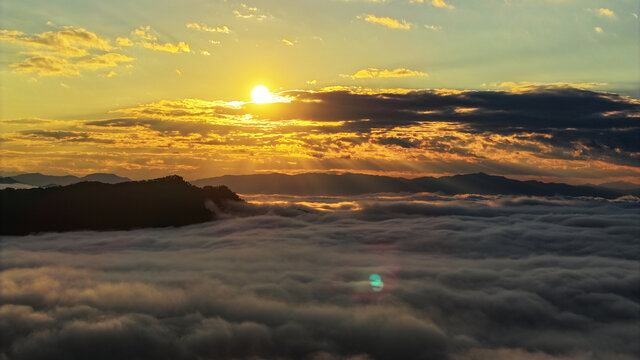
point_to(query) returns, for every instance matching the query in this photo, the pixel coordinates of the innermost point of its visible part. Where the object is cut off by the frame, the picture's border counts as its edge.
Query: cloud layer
(557, 132)
(464, 278)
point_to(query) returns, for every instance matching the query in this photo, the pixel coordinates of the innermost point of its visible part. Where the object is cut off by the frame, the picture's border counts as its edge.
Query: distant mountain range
(171, 201)
(168, 201)
(356, 184)
(40, 180)
(617, 185)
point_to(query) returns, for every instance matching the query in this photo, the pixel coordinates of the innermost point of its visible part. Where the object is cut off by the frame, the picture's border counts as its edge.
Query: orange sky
(406, 88)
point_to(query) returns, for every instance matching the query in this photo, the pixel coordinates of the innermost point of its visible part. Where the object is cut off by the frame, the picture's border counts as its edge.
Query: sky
(544, 89)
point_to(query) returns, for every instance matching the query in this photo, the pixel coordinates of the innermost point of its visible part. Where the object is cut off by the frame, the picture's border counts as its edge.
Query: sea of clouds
(463, 278)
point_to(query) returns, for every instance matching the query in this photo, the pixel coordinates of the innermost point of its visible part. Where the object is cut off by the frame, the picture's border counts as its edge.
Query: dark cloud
(593, 124)
(541, 108)
(68, 136)
(26, 121)
(465, 277)
(183, 128)
(405, 143)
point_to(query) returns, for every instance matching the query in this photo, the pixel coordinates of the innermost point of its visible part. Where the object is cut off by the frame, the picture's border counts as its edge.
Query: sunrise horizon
(319, 180)
(402, 87)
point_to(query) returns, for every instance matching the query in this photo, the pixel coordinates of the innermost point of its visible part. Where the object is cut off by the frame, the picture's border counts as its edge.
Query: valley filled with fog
(388, 277)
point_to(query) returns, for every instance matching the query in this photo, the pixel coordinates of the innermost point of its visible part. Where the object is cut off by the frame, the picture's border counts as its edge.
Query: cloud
(150, 41)
(497, 277)
(287, 42)
(104, 61)
(249, 12)
(436, 3)
(604, 12)
(527, 86)
(433, 27)
(560, 133)
(68, 43)
(370, 73)
(387, 22)
(405, 143)
(168, 47)
(202, 27)
(143, 32)
(58, 135)
(371, 1)
(46, 65)
(50, 65)
(441, 4)
(124, 41)
(66, 136)
(64, 52)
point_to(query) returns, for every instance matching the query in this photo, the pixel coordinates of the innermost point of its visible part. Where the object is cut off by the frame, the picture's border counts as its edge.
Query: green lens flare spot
(376, 282)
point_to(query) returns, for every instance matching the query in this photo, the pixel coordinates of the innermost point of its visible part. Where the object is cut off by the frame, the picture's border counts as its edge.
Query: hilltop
(168, 201)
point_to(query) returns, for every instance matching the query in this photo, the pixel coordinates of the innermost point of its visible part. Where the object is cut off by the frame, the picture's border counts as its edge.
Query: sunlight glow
(260, 95)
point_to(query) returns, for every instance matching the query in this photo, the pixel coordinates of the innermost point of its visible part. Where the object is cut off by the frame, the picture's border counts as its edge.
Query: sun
(260, 95)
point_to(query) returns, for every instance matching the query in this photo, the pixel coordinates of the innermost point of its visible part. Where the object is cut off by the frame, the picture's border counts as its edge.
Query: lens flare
(376, 282)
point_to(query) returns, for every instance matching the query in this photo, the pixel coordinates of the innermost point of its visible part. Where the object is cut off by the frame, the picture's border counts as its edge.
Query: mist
(460, 277)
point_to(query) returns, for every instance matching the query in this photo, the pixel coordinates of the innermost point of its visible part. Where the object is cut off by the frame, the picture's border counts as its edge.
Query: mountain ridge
(168, 201)
(38, 179)
(357, 184)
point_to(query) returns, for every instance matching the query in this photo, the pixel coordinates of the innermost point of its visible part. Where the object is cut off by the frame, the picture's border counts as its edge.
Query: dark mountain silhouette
(168, 201)
(37, 179)
(620, 185)
(312, 184)
(8, 180)
(355, 184)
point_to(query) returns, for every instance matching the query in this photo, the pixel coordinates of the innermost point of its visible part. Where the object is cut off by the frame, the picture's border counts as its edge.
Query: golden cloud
(387, 21)
(103, 61)
(49, 65)
(604, 12)
(319, 129)
(124, 41)
(70, 42)
(371, 73)
(441, 4)
(149, 41)
(46, 65)
(143, 33)
(527, 86)
(249, 12)
(202, 27)
(436, 3)
(168, 47)
(64, 52)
